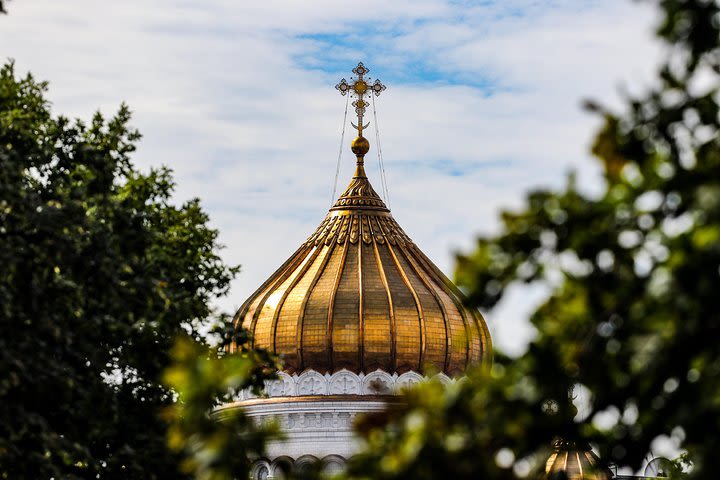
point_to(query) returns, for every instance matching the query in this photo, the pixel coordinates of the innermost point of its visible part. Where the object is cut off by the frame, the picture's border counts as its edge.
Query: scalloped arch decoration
(343, 382)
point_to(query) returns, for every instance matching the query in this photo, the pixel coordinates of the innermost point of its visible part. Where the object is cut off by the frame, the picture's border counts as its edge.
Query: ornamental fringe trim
(343, 382)
(353, 227)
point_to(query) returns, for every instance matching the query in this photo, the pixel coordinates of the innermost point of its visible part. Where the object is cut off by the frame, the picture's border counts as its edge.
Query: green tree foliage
(99, 273)
(218, 446)
(633, 320)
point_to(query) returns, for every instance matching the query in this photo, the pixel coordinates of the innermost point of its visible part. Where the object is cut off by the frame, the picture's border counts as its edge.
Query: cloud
(483, 103)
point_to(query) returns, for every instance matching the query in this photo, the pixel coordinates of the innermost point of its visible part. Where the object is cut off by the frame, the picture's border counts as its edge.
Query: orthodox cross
(358, 88)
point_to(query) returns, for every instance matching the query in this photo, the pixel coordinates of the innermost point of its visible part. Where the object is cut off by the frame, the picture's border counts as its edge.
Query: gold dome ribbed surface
(575, 463)
(359, 295)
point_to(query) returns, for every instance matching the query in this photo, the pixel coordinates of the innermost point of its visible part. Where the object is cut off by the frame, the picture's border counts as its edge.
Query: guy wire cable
(383, 178)
(342, 140)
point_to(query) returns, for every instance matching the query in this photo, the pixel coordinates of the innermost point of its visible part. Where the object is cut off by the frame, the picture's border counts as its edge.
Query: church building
(356, 313)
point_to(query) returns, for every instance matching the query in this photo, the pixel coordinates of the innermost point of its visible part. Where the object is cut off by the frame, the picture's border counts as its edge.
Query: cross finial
(358, 88)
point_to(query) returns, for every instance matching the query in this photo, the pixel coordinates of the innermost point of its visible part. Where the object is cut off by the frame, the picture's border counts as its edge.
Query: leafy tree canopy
(99, 273)
(221, 445)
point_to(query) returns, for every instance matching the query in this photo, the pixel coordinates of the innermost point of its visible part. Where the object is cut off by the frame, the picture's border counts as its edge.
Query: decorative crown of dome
(359, 295)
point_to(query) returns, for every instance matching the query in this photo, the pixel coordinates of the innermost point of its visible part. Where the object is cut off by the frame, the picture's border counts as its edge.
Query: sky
(483, 103)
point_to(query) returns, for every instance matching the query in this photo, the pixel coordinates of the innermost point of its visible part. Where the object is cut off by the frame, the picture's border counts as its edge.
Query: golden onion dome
(574, 462)
(360, 295)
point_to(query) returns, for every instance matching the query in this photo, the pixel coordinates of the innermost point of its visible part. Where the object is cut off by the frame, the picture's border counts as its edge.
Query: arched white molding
(284, 386)
(260, 470)
(333, 464)
(344, 382)
(305, 462)
(378, 383)
(312, 383)
(263, 469)
(281, 467)
(407, 380)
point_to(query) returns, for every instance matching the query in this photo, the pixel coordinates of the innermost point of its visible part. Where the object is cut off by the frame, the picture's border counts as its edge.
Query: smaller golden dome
(360, 146)
(574, 462)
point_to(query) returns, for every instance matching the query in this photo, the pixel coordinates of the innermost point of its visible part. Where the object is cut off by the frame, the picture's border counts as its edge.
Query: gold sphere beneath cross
(360, 146)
